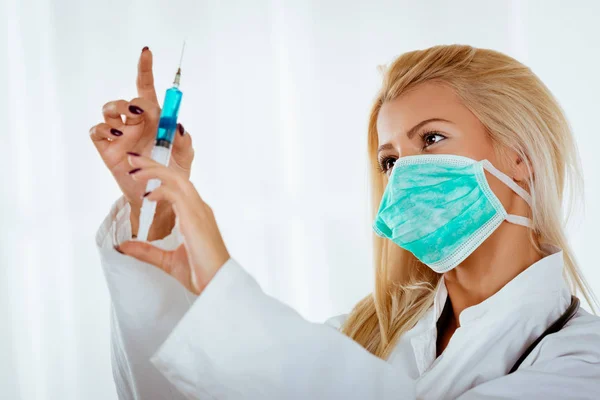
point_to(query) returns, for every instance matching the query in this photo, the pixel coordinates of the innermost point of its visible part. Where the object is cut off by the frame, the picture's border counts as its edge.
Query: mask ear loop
(514, 219)
(519, 220)
(507, 181)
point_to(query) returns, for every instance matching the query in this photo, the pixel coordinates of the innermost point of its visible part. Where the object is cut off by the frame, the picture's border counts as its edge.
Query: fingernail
(116, 132)
(135, 109)
(144, 49)
(131, 153)
(147, 193)
(118, 249)
(180, 128)
(133, 171)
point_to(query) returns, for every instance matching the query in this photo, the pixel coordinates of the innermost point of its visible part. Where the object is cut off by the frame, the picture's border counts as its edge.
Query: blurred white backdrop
(276, 97)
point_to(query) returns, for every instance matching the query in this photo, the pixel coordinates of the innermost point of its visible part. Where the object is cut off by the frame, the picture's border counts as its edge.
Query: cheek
(476, 146)
(479, 146)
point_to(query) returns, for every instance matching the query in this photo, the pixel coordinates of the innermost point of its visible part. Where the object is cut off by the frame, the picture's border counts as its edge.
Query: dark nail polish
(147, 193)
(144, 49)
(133, 171)
(180, 128)
(116, 132)
(131, 153)
(135, 109)
(118, 249)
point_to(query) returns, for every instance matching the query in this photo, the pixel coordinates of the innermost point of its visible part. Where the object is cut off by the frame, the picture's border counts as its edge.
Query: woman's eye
(432, 138)
(387, 164)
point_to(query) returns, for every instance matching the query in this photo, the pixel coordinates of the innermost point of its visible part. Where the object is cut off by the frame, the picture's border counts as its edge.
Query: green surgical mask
(441, 208)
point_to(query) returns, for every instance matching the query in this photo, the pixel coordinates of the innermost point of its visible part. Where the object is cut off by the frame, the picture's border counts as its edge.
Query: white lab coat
(235, 342)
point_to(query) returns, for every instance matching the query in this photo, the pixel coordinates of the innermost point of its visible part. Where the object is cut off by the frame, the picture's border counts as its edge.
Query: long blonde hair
(519, 113)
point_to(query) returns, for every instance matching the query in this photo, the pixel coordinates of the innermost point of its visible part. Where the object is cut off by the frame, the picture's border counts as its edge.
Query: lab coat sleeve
(236, 342)
(565, 365)
(146, 303)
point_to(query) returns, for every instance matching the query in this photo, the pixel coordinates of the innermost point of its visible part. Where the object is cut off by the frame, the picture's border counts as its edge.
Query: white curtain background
(276, 97)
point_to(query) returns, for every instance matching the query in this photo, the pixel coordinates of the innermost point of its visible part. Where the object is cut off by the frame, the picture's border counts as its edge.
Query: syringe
(161, 152)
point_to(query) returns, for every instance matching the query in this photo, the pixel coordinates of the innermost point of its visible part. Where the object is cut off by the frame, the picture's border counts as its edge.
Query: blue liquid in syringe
(168, 117)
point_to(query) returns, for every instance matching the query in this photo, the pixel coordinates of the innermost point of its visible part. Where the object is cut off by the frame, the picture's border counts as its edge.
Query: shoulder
(336, 321)
(578, 340)
(584, 326)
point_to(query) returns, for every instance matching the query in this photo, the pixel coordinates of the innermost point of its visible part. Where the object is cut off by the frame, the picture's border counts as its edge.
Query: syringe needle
(178, 73)
(182, 50)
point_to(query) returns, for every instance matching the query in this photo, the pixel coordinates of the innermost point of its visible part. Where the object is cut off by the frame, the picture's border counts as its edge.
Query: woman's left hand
(203, 251)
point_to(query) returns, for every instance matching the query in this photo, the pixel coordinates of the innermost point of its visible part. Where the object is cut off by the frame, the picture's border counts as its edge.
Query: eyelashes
(386, 163)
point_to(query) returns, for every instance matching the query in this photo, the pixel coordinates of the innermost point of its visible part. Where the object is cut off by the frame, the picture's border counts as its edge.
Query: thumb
(147, 253)
(183, 151)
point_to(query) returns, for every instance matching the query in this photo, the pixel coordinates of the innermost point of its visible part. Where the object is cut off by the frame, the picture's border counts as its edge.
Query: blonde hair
(521, 114)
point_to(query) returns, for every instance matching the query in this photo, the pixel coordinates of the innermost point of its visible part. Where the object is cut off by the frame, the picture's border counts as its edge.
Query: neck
(504, 255)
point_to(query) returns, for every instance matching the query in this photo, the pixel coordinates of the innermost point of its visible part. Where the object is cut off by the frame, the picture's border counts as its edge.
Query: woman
(469, 256)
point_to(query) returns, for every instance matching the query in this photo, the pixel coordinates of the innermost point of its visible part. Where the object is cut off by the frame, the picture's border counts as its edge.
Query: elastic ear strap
(507, 181)
(519, 220)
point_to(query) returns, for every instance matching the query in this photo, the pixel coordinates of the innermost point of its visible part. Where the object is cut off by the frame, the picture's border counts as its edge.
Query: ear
(521, 173)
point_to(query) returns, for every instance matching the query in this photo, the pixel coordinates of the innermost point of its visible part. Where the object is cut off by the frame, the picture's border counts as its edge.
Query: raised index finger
(145, 77)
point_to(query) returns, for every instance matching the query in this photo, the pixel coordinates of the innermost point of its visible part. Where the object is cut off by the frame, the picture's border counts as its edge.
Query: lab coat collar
(542, 282)
(543, 278)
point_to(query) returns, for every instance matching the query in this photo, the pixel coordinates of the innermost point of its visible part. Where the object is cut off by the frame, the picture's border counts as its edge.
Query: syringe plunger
(159, 154)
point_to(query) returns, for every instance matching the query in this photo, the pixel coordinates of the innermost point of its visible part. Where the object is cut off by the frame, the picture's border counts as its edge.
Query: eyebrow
(412, 131)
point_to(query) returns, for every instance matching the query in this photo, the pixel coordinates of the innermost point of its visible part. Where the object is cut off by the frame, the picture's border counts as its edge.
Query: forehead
(425, 101)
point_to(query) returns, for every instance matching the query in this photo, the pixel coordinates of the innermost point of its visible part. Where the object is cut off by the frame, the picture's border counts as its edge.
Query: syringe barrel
(167, 125)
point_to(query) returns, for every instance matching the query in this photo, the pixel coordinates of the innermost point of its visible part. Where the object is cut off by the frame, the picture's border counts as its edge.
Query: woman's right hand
(114, 138)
